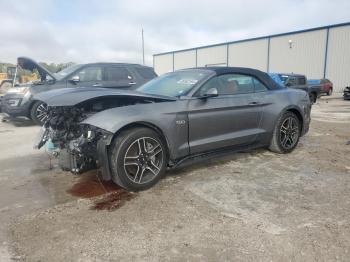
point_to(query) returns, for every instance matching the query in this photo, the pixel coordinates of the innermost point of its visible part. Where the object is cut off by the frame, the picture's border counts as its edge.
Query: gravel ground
(252, 206)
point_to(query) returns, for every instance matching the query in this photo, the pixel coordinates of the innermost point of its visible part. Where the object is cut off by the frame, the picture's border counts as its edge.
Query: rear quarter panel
(276, 103)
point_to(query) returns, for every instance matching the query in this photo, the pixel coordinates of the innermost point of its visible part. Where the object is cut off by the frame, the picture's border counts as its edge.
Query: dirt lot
(252, 206)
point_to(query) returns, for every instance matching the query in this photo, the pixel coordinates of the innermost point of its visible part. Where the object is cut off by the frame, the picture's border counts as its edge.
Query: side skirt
(196, 158)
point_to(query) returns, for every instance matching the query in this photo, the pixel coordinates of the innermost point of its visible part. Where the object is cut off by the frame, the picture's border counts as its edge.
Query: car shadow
(17, 122)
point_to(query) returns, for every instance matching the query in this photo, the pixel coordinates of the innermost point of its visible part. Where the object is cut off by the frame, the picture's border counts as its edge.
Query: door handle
(97, 85)
(253, 104)
(132, 83)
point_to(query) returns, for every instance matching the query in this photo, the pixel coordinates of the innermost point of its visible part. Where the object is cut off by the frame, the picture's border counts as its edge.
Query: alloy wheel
(143, 160)
(289, 132)
(41, 112)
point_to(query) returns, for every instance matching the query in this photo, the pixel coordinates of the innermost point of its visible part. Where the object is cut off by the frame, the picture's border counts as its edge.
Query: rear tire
(138, 159)
(286, 134)
(330, 92)
(39, 113)
(313, 98)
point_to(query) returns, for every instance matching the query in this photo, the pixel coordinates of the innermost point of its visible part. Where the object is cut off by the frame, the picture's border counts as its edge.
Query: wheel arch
(105, 148)
(32, 103)
(30, 110)
(149, 125)
(298, 114)
(295, 110)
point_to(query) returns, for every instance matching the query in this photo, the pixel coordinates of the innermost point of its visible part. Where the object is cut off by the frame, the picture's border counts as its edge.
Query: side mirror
(75, 79)
(211, 92)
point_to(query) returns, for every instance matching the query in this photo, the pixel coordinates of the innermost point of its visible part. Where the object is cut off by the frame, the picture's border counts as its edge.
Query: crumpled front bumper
(77, 157)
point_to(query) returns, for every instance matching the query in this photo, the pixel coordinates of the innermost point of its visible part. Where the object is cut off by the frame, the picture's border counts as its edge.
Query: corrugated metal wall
(307, 54)
(163, 64)
(257, 50)
(185, 59)
(212, 56)
(338, 57)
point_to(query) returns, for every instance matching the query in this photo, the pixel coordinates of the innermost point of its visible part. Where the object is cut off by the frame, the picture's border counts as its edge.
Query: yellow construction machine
(10, 76)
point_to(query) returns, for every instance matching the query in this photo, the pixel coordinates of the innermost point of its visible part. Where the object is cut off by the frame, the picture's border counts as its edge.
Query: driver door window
(229, 84)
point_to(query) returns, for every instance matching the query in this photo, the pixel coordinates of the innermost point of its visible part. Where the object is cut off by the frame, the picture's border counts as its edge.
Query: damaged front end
(80, 147)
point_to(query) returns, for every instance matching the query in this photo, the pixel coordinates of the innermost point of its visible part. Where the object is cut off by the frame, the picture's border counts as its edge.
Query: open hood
(76, 95)
(29, 64)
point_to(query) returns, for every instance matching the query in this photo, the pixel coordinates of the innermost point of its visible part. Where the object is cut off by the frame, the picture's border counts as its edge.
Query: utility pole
(143, 48)
(14, 79)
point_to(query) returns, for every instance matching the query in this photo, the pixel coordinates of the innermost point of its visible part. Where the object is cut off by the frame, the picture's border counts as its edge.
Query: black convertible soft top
(262, 76)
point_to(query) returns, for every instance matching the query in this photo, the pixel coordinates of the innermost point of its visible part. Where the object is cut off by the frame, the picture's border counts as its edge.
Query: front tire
(39, 113)
(138, 159)
(286, 134)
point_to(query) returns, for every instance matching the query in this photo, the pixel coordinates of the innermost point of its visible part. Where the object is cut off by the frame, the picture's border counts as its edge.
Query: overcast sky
(110, 30)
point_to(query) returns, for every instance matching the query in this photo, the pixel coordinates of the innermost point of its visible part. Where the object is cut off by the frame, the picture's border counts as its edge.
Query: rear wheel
(286, 134)
(313, 97)
(138, 159)
(330, 92)
(39, 113)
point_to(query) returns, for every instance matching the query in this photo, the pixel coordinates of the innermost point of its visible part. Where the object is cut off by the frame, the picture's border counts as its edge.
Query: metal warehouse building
(322, 52)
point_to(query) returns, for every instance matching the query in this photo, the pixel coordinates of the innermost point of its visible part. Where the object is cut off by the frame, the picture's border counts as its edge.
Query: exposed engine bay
(76, 143)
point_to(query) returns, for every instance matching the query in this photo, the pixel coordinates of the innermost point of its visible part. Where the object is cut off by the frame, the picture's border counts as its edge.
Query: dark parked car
(135, 135)
(346, 94)
(298, 82)
(327, 85)
(20, 102)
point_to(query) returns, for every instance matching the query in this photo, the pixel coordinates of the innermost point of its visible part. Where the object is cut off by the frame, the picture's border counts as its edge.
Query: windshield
(63, 73)
(174, 84)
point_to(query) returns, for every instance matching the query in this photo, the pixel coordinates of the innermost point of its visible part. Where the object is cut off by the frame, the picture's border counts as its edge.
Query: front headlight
(18, 90)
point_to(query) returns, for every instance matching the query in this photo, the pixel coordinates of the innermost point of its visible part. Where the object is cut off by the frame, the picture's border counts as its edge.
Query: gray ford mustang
(134, 136)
